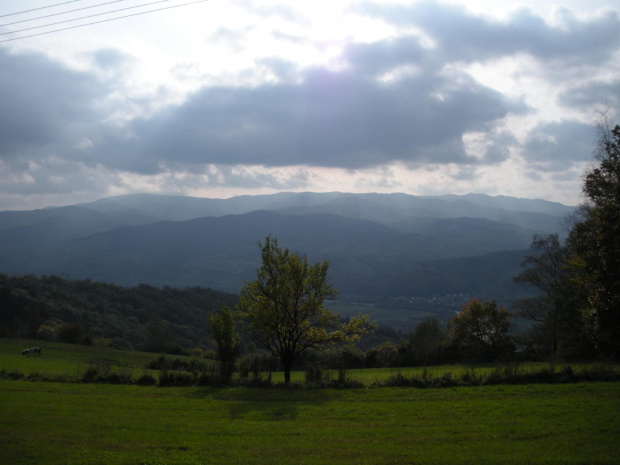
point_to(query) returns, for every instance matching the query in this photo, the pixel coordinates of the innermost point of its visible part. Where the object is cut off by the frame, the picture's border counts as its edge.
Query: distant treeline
(87, 312)
(144, 317)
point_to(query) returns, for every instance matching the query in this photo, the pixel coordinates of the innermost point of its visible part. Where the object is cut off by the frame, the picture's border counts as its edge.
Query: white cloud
(238, 97)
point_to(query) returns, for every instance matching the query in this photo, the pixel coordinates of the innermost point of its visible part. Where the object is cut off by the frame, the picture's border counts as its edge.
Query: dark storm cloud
(461, 36)
(597, 93)
(46, 112)
(332, 119)
(556, 146)
(498, 148)
(44, 106)
(393, 100)
(346, 119)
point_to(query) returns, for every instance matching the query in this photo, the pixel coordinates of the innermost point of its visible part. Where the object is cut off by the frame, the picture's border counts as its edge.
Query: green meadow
(64, 360)
(79, 423)
(49, 423)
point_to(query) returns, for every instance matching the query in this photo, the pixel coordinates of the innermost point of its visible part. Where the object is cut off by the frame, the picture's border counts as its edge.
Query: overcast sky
(223, 98)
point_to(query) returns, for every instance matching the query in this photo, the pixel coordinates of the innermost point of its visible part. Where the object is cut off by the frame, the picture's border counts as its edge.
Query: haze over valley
(379, 246)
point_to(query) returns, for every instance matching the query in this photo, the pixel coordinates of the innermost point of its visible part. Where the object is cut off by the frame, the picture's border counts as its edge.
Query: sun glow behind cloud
(226, 98)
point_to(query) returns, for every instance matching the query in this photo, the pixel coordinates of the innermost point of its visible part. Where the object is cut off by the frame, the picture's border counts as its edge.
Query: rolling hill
(377, 244)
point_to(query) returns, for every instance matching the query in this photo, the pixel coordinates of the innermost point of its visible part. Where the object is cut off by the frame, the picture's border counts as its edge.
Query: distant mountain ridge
(384, 244)
(178, 208)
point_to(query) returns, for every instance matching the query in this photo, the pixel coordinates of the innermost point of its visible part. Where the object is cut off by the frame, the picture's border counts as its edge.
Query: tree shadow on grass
(268, 404)
(263, 411)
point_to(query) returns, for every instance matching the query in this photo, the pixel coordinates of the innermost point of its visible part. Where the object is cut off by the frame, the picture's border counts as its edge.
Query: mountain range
(377, 244)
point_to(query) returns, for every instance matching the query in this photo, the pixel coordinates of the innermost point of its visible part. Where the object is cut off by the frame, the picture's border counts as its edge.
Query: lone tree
(284, 310)
(480, 330)
(594, 242)
(223, 329)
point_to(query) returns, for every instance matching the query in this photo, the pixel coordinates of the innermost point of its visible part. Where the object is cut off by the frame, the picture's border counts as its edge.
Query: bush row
(510, 374)
(192, 365)
(319, 378)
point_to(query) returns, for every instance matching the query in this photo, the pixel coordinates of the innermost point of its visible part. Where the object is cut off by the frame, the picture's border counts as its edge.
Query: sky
(222, 98)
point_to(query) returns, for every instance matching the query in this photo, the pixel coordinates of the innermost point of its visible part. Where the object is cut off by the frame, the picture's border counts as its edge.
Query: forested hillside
(377, 244)
(83, 311)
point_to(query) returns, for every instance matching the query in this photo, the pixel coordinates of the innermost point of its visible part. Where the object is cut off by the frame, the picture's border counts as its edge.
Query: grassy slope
(65, 360)
(51, 423)
(48, 423)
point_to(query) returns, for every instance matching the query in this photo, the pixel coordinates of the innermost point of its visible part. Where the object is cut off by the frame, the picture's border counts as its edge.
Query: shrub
(102, 342)
(11, 375)
(146, 379)
(208, 379)
(598, 373)
(316, 375)
(164, 363)
(118, 377)
(256, 364)
(176, 378)
(471, 378)
(100, 371)
(196, 352)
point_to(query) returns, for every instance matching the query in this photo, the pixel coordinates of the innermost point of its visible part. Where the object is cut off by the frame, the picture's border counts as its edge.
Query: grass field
(69, 423)
(77, 423)
(63, 359)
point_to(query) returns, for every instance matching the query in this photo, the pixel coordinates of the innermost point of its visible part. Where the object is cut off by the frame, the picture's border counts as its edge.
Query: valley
(378, 245)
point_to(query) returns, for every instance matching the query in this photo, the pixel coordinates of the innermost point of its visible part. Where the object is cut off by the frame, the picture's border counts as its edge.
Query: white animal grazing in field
(34, 350)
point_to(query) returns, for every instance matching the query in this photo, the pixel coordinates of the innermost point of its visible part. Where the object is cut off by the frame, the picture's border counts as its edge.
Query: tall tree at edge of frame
(594, 242)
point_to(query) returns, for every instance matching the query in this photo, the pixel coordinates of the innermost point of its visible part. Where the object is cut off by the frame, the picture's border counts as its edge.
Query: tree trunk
(288, 366)
(287, 358)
